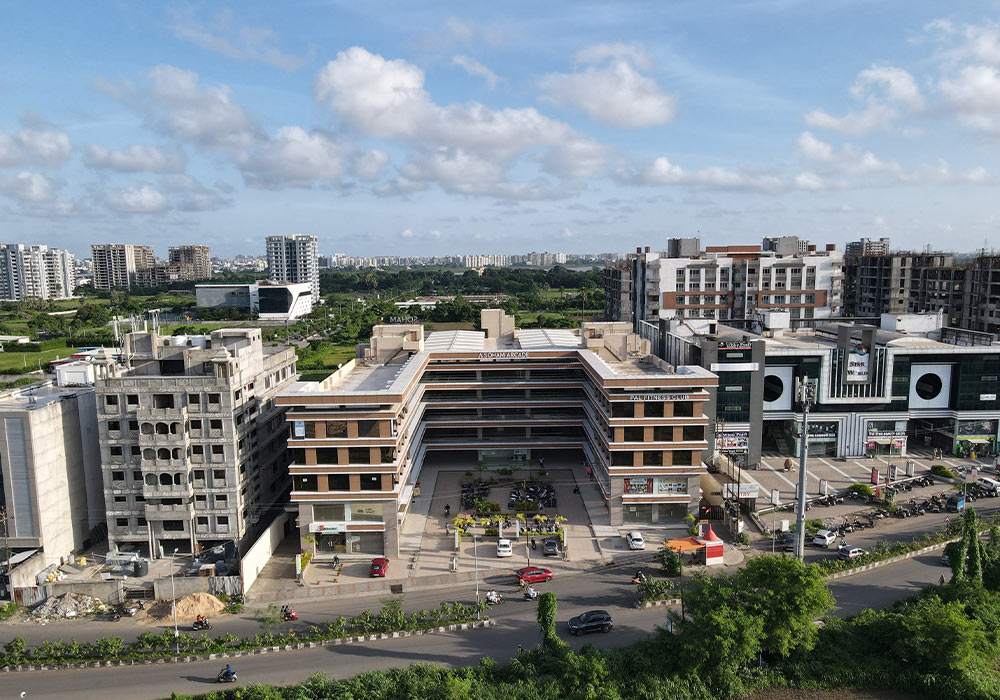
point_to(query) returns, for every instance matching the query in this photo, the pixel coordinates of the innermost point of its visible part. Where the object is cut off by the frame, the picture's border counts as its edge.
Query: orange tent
(684, 544)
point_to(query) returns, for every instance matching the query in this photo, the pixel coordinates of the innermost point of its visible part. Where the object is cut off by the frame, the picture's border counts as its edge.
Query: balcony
(148, 413)
(173, 512)
(164, 491)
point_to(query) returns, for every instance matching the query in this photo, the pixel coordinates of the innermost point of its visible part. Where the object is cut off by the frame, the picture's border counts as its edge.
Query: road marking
(782, 477)
(842, 473)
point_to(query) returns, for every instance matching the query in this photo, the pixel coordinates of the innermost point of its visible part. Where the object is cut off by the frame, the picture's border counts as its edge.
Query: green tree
(547, 618)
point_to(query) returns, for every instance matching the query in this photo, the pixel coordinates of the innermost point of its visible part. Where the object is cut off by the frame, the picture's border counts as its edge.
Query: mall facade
(360, 437)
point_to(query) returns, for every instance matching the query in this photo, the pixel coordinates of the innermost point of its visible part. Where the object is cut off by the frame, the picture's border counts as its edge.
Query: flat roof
(824, 337)
(34, 396)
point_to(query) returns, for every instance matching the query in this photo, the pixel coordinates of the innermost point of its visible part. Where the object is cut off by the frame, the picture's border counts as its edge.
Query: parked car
(534, 574)
(824, 538)
(635, 540)
(851, 552)
(591, 621)
(379, 567)
(504, 549)
(945, 560)
(550, 547)
(786, 540)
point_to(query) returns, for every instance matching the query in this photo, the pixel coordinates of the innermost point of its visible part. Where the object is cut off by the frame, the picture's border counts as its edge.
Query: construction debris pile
(188, 608)
(68, 605)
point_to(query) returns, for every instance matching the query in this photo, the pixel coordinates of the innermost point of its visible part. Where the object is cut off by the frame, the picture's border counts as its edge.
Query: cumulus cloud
(42, 146)
(973, 95)
(28, 188)
(142, 199)
(476, 69)
(614, 92)
(294, 158)
(634, 53)
(848, 161)
(368, 166)
(134, 158)
(186, 193)
(10, 154)
(228, 37)
(661, 171)
(888, 93)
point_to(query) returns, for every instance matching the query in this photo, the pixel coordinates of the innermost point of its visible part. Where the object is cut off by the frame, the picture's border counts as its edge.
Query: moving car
(550, 547)
(534, 574)
(379, 567)
(851, 553)
(591, 621)
(635, 540)
(824, 538)
(504, 549)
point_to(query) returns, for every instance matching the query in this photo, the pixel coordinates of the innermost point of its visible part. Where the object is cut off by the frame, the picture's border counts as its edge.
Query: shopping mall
(502, 396)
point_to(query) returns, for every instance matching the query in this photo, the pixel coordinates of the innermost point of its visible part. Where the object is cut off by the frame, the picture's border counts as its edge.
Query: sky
(402, 128)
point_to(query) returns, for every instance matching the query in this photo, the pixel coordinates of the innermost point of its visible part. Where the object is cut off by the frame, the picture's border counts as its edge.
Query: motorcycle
(494, 598)
(201, 625)
(530, 594)
(224, 677)
(289, 616)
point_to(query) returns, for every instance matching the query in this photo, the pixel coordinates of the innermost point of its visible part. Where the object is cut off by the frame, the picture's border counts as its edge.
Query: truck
(956, 503)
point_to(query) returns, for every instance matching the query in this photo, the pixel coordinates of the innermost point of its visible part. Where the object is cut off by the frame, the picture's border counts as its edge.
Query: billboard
(857, 363)
(733, 441)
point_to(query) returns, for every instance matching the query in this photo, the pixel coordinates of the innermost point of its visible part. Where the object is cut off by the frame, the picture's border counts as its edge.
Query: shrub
(654, 589)
(942, 471)
(862, 489)
(670, 561)
(8, 610)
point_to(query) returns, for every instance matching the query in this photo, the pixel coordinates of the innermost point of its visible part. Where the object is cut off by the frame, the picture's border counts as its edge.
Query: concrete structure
(273, 301)
(197, 256)
(192, 443)
(36, 271)
(294, 259)
(912, 380)
(867, 246)
(115, 265)
(785, 245)
(504, 396)
(890, 283)
(982, 309)
(728, 283)
(50, 469)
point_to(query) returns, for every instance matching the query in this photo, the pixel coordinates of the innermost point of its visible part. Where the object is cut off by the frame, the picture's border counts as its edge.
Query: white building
(273, 301)
(36, 271)
(294, 259)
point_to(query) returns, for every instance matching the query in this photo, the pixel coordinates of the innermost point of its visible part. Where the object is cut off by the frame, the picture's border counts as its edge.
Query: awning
(684, 544)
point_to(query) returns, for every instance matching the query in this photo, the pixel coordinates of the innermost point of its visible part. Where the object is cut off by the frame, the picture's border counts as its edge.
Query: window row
(342, 482)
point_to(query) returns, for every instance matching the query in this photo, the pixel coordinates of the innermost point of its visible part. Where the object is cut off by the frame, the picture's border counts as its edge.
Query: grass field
(14, 362)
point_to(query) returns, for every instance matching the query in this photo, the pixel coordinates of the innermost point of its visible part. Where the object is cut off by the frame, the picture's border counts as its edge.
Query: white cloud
(809, 181)
(369, 164)
(406, 233)
(294, 158)
(476, 69)
(28, 188)
(134, 158)
(142, 199)
(10, 154)
(225, 36)
(849, 161)
(888, 92)
(973, 94)
(895, 83)
(634, 53)
(187, 194)
(581, 157)
(44, 146)
(662, 172)
(615, 93)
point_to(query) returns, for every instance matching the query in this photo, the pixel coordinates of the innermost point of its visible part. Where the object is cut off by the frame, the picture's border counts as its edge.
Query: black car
(550, 547)
(591, 621)
(786, 540)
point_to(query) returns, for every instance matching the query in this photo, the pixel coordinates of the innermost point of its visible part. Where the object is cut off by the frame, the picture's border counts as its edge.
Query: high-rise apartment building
(115, 265)
(294, 259)
(192, 443)
(197, 256)
(896, 283)
(36, 271)
(867, 246)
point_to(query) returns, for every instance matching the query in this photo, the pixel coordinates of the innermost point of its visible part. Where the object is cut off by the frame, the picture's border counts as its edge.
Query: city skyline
(480, 131)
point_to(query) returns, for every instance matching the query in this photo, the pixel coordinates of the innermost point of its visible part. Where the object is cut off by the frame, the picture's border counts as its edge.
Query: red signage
(875, 476)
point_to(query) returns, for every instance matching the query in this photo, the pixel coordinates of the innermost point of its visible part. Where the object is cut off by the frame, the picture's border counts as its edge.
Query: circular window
(773, 388)
(928, 386)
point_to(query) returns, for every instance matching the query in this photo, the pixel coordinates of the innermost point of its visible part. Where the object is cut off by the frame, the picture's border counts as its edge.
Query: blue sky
(419, 128)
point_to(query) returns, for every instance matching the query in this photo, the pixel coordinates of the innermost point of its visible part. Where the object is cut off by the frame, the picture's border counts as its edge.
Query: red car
(380, 567)
(533, 574)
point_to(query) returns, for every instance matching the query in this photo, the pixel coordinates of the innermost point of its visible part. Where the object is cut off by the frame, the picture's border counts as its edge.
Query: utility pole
(805, 394)
(6, 546)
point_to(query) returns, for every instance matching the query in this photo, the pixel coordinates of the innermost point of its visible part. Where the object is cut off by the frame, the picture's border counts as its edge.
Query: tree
(547, 617)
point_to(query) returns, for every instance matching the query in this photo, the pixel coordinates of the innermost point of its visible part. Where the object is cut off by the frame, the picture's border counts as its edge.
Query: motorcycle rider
(227, 672)
(530, 593)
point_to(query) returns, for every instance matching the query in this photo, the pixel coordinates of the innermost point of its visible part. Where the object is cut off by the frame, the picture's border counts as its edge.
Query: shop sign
(735, 441)
(327, 528)
(857, 364)
(899, 443)
(822, 430)
(671, 486)
(637, 486)
(740, 491)
(987, 397)
(403, 319)
(734, 366)
(976, 430)
(874, 472)
(504, 355)
(658, 397)
(299, 428)
(734, 345)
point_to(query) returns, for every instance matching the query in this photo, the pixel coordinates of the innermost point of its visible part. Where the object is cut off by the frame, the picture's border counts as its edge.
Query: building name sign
(734, 366)
(504, 355)
(403, 319)
(658, 397)
(734, 345)
(987, 397)
(327, 527)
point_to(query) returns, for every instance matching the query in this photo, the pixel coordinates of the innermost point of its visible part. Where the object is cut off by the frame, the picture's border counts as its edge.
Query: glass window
(329, 511)
(358, 455)
(693, 432)
(621, 459)
(684, 409)
(652, 459)
(622, 409)
(368, 512)
(633, 434)
(682, 458)
(654, 409)
(336, 428)
(305, 482)
(371, 482)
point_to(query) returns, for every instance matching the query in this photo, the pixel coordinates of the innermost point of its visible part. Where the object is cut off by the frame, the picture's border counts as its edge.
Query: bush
(654, 589)
(670, 561)
(8, 610)
(862, 489)
(942, 471)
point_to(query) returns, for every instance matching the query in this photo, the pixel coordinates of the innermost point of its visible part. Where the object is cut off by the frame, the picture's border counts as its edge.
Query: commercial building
(115, 265)
(272, 301)
(294, 259)
(727, 283)
(197, 256)
(192, 442)
(50, 469)
(36, 271)
(910, 382)
(360, 437)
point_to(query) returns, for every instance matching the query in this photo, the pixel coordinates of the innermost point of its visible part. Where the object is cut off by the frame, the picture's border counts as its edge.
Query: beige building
(197, 256)
(115, 265)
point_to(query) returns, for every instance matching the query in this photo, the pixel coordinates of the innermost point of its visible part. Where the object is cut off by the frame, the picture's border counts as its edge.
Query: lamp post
(173, 595)
(475, 552)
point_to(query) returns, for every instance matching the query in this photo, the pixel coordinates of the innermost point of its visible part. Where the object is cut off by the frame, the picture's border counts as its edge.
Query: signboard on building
(733, 441)
(670, 486)
(659, 397)
(976, 430)
(740, 491)
(857, 363)
(638, 486)
(327, 528)
(734, 366)
(504, 355)
(734, 345)
(987, 397)
(298, 428)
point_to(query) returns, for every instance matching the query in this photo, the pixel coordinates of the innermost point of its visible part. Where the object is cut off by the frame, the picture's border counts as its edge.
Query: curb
(659, 603)
(479, 624)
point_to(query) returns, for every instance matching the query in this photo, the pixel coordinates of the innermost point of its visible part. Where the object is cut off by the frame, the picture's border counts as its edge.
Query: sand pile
(188, 608)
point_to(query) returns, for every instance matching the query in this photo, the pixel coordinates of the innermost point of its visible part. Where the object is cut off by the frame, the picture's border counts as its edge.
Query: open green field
(13, 362)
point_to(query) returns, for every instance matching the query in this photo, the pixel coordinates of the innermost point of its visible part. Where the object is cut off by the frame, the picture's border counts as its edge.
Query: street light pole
(805, 394)
(475, 552)
(173, 595)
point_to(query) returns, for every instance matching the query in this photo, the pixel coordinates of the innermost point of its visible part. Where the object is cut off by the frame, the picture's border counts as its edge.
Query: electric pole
(805, 394)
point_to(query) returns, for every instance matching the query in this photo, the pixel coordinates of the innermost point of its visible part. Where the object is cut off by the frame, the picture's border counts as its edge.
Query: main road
(515, 625)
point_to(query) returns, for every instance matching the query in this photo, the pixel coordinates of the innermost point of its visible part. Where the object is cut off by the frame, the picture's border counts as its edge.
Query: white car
(504, 549)
(635, 540)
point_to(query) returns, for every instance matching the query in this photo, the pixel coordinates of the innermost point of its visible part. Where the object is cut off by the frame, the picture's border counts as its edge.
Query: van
(824, 538)
(988, 483)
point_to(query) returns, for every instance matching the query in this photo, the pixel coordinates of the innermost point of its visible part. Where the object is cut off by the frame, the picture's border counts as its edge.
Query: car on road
(590, 621)
(635, 540)
(533, 574)
(824, 538)
(379, 567)
(851, 552)
(786, 540)
(504, 549)
(550, 547)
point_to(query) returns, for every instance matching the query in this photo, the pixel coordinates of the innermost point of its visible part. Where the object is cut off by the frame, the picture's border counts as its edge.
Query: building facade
(115, 265)
(272, 301)
(294, 259)
(360, 438)
(192, 442)
(197, 256)
(36, 271)
(867, 246)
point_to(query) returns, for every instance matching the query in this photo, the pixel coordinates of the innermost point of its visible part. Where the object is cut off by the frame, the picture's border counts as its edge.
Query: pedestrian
(947, 520)
(941, 581)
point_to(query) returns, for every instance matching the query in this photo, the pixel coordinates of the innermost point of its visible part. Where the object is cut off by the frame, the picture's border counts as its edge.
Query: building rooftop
(31, 397)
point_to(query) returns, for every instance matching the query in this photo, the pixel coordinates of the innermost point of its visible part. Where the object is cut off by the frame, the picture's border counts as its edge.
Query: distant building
(36, 271)
(867, 246)
(785, 245)
(273, 301)
(294, 259)
(115, 265)
(192, 444)
(197, 256)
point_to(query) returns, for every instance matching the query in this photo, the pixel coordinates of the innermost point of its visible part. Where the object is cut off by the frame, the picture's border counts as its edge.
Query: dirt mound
(67, 605)
(188, 608)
